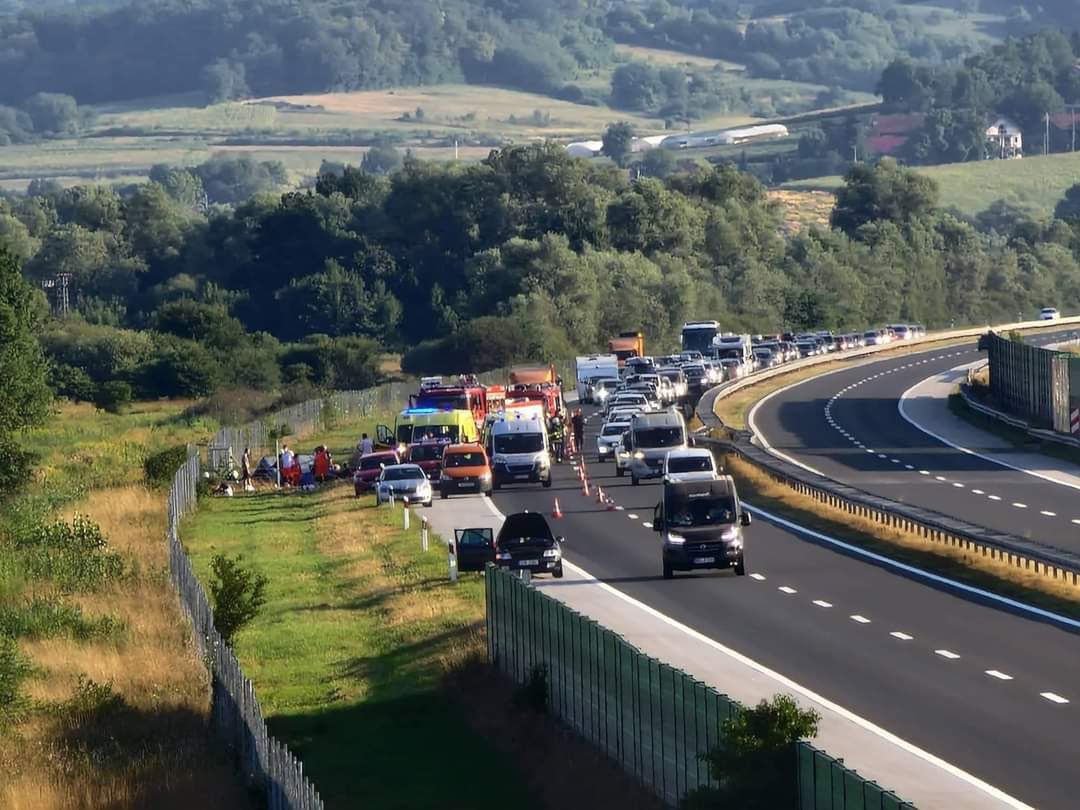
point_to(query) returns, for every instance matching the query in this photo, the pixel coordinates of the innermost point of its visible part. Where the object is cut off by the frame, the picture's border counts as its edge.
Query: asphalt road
(848, 427)
(973, 683)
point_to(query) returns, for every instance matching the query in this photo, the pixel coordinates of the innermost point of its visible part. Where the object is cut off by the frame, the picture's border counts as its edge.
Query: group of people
(557, 433)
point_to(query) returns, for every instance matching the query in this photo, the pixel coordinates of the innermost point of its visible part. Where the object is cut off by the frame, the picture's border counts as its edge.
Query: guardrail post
(452, 559)
(424, 534)
(405, 514)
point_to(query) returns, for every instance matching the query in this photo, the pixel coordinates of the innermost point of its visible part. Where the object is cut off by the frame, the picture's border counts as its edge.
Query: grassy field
(1034, 183)
(803, 209)
(665, 58)
(106, 701)
(349, 654)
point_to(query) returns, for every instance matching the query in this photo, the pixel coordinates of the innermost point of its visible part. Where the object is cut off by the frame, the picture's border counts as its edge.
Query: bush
(48, 617)
(533, 694)
(71, 382)
(113, 395)
(238, 594)
(75, 555)
(160, 467)
(755, 765)
(16, 464)
(14, 670)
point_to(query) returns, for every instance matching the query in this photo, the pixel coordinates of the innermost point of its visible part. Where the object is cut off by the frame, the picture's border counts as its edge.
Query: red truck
(536, 383)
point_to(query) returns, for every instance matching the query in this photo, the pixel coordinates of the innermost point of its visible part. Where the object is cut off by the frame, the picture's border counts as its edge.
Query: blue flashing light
(419, 411)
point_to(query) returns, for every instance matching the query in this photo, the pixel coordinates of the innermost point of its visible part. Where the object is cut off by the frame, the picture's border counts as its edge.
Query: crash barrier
(1038, 384)
(266, 765)
(973, 402)
(656, 721)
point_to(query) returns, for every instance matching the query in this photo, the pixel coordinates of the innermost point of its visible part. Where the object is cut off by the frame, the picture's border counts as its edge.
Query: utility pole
(1046, 137)
(1072, 110)
(855, 153)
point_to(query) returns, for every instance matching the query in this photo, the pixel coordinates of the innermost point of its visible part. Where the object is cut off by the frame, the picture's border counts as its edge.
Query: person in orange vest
(322, 463)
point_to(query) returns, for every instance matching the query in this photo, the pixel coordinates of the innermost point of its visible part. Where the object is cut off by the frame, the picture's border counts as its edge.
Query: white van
(520, 451)
(594, 366)
(651, 437)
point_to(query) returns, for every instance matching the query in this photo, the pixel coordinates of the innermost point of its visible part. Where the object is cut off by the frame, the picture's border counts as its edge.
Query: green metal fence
(1030, 382)
(653, 719)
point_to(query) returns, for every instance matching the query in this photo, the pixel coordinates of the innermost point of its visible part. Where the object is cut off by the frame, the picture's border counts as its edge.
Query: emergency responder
(579, 429)
(557, 434)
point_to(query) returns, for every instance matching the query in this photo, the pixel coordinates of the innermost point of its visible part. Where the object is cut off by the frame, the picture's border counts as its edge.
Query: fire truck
(536, 384)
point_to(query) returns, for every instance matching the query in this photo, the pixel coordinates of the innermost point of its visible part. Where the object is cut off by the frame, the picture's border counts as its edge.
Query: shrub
(15, 465)
(160, 467)
(755, 765)
(49, 617)
(71, 382)
(238, 594)
(113, 395)
(75, 555)
(533, 694)
(14, 670)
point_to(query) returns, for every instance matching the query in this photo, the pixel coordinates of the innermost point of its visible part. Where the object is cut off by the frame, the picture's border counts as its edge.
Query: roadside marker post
(424, 534)
(452, 560)
(405, 513)
(525, 575)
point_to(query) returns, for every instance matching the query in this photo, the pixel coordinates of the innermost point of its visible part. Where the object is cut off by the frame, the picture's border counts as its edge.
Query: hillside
(1035, 183)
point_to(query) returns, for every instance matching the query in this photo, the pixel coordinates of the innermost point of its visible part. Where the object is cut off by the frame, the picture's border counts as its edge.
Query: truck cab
(700, 524)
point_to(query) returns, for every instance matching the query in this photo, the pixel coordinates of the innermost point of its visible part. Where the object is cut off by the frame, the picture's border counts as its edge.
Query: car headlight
(485, 476)
(639, 455)
(605, 448)
(675, 539)
(552, 553)
(503, 555)
(731, 534)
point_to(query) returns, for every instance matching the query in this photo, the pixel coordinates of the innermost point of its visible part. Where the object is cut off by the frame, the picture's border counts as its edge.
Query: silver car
(403, 481)
(609, 440)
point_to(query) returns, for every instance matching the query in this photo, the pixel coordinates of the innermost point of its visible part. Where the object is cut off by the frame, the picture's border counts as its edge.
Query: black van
(525, 542)
(701, 525)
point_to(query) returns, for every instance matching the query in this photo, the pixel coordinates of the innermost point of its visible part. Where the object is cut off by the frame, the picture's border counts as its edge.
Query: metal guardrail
(1044, 560)
(653, 719)
(236, 717)
(1015, 421)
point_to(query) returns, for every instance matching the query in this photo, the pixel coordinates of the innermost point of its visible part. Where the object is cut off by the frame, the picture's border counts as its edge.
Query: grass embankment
(365, 660)
(964, 566)
(1014, 436)
(105, 702)
(1034, 183)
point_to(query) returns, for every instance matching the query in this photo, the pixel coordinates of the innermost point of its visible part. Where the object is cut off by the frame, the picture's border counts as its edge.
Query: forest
(530, 253)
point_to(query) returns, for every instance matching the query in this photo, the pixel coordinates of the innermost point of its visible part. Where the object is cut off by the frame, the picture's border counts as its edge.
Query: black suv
(701, 525)
(525, 542)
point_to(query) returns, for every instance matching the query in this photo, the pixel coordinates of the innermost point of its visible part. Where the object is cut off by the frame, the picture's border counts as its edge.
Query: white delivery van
(519, 449)
(594, 366)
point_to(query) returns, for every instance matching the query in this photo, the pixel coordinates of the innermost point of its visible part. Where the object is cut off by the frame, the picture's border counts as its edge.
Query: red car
(428, 456)
(369, 467)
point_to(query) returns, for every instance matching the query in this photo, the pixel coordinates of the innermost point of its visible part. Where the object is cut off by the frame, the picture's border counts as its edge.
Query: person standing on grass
(245, 469)
(285, 463)
(366, 445)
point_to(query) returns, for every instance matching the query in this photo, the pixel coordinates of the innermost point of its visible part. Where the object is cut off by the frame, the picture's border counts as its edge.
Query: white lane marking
(895, 460)
(787, 589)
(847, 714)
(924, 472)
(1076, 521)
(941, 478)
(947, 654)
(620, 508)
(646, 524)
(870, 451)
(1019, 505)
(1001, 676)
(855, 617)
(1048, 513)
(958, 484)
(888, 562)
(1053, 698)
(881, 455)
(977, 492)
(994, 497)
(901, 636)
(908, 467)
(758, 577)
(631, 515)
(822, 603)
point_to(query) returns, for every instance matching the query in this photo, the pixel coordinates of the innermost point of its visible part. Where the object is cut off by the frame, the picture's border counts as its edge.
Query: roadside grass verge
(112, 699)
(350, 651)
(1014, 436)
(758, 488)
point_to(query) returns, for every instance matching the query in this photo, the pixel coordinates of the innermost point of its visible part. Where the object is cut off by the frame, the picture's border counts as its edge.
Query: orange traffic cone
(556, 512)
(585, 487)
(600, 498)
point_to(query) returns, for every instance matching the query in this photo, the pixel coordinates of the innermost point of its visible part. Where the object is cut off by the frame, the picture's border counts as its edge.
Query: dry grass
(804, 209)
(153, 750)
(666, 58)
(965, 565)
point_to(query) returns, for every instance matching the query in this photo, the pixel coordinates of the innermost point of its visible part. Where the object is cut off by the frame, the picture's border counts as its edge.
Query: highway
(987, 689)
(848, 427)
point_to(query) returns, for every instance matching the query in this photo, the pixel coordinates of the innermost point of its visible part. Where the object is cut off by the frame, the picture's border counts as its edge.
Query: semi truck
(697, 336)
(626, 345)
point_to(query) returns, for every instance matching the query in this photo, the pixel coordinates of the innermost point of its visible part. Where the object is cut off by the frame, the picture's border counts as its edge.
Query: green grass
(1034, 183)
(665, 58)
(349, 653)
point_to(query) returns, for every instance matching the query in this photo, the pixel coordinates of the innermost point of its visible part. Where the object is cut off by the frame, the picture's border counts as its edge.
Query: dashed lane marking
(901, 636)
(646, 524)
(1019, 505)
(787, 589)
(855, 617)
(994, 497)
(947, 654)
(758, 577)
(1001, 676)
(822, 603)
(632, 516)
(1053, 698)
(1048, 513)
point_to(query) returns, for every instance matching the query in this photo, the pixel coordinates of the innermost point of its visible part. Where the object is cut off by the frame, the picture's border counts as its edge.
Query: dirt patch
(563, 770)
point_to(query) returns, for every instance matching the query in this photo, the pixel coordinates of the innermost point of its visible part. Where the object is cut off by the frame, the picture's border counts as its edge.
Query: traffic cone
(600, 497)
(585, 487)
(556, 512)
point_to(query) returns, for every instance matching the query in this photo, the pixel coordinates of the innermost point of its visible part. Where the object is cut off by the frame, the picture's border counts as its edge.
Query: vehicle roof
(524, 524)
(528, 425)
(471, 447)
(724, 486)
(380, 454)
(690, 452)
(619, 423)
(410, 467)
(662, 419)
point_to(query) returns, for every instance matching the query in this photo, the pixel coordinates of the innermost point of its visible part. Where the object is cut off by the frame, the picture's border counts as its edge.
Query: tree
(618, 142)
(381, 160)
(54, 113)
(886, 191)
(25, 396)
(659, 162)
(636, 86)
(225, 80)
(238, 593)
(1069, 206)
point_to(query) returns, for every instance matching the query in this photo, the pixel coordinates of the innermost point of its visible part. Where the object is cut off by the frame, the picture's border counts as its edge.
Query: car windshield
(426, 452)
(374, 462)
(605, 384)
(471, 459)
(523, 528)
(519, 443)
(445, 432)
(708, 511)
(870, 334)
(402, 473)
(658, 437)
(681, 464)
(613, 429)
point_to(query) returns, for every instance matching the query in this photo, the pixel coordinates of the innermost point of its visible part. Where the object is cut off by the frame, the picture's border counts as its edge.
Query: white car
(403, 481)
(609, 440)
(691, 464)
(1048, 314)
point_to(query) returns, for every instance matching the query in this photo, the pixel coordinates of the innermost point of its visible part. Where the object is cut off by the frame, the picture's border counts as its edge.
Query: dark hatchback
(525, 542)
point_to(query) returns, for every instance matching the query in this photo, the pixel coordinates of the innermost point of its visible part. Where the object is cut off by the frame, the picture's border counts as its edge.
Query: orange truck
(539, 383)
(627, 345)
